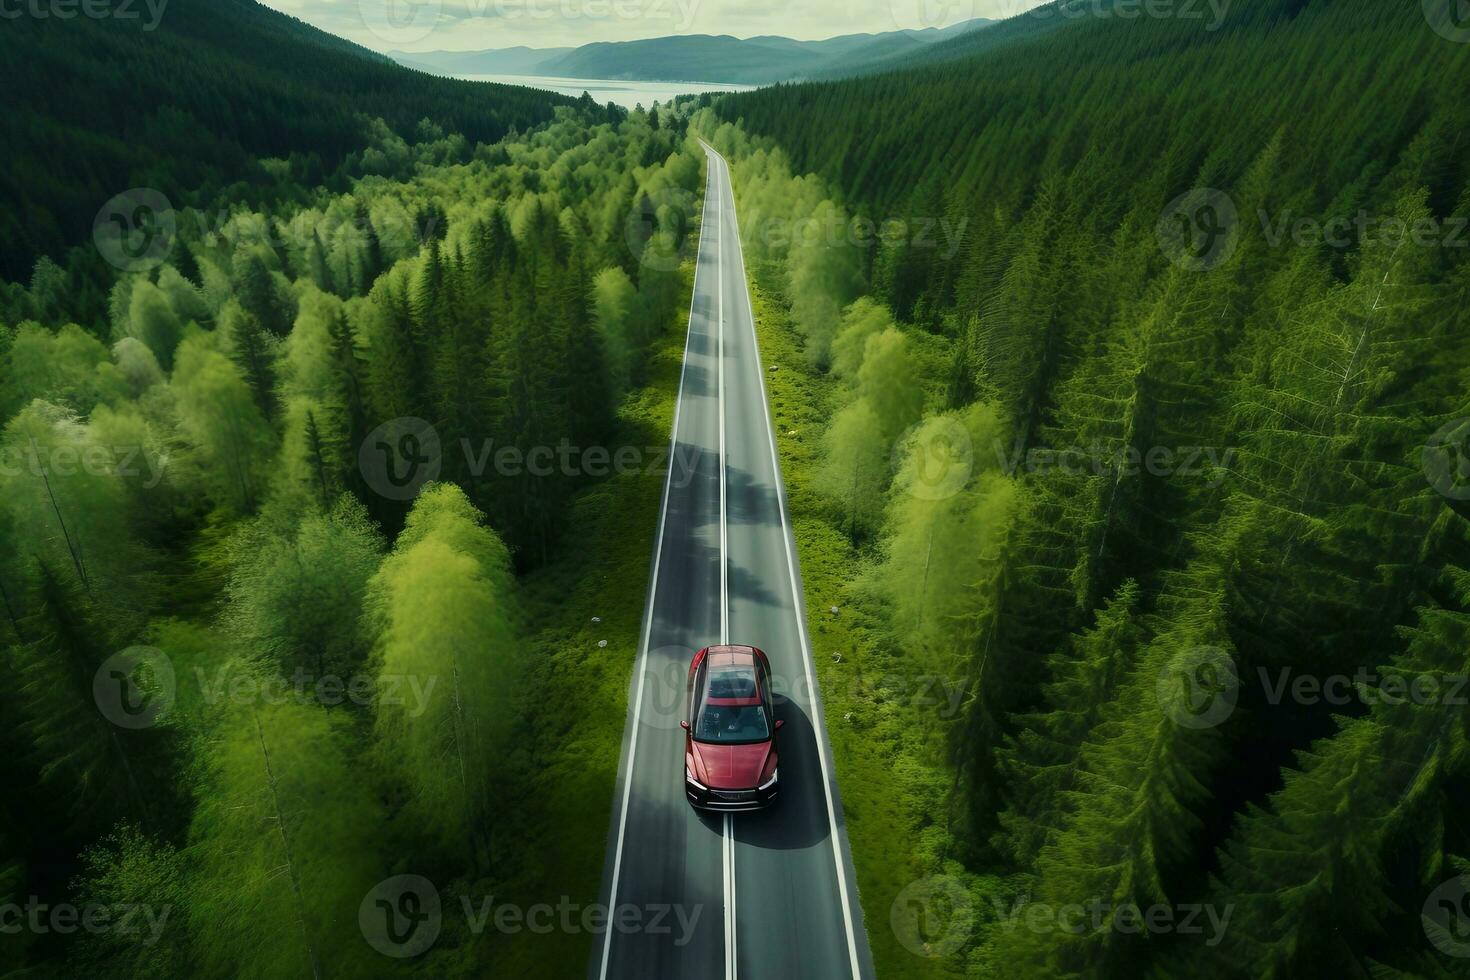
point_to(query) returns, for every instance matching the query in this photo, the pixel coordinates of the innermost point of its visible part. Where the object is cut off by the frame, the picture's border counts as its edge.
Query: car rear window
(732, 682)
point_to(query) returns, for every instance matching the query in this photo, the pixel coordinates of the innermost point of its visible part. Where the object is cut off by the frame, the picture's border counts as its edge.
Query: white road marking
(729, 855)
(818, 723)
(728, 842)
(658, 549)
(720, 388)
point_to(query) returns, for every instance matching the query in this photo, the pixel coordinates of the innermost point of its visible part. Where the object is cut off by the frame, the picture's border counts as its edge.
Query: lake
(624, 93)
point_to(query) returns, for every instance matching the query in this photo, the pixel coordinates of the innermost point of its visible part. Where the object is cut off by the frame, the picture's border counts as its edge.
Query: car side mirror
(685, 725)
(779, 723)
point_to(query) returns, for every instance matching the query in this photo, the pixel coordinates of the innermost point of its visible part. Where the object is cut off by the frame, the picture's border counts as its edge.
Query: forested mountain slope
(1203, 336)
(187, 99)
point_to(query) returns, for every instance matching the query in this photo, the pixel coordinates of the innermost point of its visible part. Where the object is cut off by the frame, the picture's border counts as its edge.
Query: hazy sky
(424, 25)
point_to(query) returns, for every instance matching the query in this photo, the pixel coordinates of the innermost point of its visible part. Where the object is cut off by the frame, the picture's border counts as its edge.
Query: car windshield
(732, 682)
(731, 723)
(731, 709)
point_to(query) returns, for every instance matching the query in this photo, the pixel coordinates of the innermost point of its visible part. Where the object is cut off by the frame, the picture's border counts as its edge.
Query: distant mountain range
(696, 57)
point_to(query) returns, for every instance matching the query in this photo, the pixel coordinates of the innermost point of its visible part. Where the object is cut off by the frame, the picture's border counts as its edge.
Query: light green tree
(151, 319)
(229, 438)
(70, 508)
(283, 846)
(861, 320)
(444, 613)
(615, 306)
(297, 596)
(824, 275)
(69, 367)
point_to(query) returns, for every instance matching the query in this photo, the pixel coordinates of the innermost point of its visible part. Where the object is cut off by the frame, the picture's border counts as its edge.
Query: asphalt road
(768, 894)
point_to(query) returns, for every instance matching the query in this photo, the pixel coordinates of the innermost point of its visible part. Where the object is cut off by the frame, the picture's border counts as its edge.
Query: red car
(730, 737)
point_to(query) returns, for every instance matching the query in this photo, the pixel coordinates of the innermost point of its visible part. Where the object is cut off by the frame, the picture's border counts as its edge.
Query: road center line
(728, 834)
(728, 849)
(799, 605)
(658, 549)
(720, 356)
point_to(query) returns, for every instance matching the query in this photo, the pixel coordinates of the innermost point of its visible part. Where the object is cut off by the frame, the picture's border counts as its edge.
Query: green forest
(185, 511)
(1120, 374)
(1127, 491)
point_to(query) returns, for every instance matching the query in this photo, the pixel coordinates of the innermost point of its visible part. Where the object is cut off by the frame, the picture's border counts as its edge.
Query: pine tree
(1313, 873)
(252, 351)
(1132, 819)
(83, 757)
(398, 372)
(1017, 336)
(181, 257)
(347, 413)
(255, 288)
(316, 263)
(1040, 763)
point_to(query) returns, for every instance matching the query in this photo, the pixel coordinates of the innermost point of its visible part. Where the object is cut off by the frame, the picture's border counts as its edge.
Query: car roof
(740, 660)
(726, 655)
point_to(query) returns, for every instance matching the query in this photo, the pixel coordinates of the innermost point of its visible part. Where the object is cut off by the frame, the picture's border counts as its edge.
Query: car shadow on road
(798, 818)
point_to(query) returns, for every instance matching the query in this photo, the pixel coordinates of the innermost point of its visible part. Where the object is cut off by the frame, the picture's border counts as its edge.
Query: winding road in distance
(774, 891)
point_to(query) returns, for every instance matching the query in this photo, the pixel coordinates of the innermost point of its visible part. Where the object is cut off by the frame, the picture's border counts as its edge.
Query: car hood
(729, 766)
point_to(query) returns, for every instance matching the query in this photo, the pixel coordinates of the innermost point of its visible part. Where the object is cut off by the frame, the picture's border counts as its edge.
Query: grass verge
(580, 689)
(887, 763)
